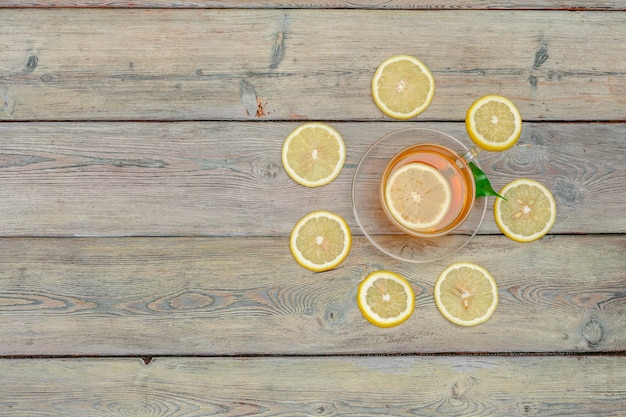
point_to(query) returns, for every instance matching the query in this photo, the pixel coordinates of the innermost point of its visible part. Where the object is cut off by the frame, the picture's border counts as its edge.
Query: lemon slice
(320, 241)
(466, 294)
(402, 87)
(529, 211)
(418, 196)
(493, 123)
(313, 154)
(385, 298)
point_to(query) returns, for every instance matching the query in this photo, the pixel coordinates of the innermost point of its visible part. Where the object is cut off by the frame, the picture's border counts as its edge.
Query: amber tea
(445, 201)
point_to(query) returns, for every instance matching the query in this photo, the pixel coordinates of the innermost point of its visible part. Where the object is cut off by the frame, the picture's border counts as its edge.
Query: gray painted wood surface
(144, 259)
(163, 64)
(224, 296)
(337, 386)
(226, 178)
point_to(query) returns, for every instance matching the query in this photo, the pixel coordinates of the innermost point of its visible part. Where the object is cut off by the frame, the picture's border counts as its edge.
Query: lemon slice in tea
(320, 241)
(313, 154)
(385, 298)
(529, 211)
(402, 87)
(466, 294)
(493, 123)
(418, 196)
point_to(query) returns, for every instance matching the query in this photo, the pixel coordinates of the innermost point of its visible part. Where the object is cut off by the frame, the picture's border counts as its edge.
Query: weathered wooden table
(145, 214)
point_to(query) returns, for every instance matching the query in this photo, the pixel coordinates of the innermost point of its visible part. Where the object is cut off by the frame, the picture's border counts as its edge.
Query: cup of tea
(427, 190)
(414, 195)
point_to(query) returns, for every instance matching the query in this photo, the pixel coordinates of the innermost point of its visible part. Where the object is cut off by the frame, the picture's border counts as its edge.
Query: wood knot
(6, 105)
(335, 314)
(279, 45)
(321, 409)
(48, 78)
(190, 301)
(593, 332)
(541, 55)
(567, 192)
(248, 97)
(407, 251)
(278, 52)
(462, 388)
(266, 169)
(261, 108)
(252, 103)
(527, 407)
(31, 64)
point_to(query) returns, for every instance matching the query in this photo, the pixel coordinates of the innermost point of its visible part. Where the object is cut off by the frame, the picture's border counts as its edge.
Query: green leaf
(483, 186)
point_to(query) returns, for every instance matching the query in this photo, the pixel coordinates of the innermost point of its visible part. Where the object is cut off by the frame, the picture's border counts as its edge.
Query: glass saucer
(369, 212)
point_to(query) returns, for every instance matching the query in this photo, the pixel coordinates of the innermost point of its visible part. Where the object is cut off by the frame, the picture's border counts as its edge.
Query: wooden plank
(329, 4)
(236, 64)
(229, 296)
(221, 178)
(367, 386)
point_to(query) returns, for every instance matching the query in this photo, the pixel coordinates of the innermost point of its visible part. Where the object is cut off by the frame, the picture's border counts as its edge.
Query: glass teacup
(394, 150)
(458, 178)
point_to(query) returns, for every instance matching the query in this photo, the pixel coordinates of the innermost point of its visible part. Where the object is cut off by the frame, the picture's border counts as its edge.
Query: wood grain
(146, 214)
(238, 64)
(328, 4)
(394, 386)
(222, 178)
(230, 296)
